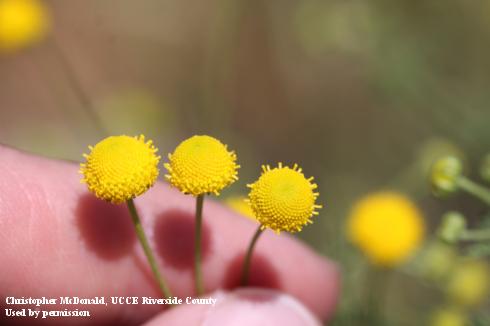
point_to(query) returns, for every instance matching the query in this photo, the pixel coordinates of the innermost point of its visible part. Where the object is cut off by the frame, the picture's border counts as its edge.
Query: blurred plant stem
(474, 189)
(218, 62)
(376, 283)
(74, 83)
(476, 235)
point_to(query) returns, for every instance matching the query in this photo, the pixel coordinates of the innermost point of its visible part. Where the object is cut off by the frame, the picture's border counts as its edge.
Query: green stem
(475, 189)
(376, 289)
(476, 235)
(197, 245)
(146, 248)
(248, 257)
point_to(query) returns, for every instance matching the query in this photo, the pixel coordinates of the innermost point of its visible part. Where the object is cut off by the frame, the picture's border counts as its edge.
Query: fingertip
(327, 294)
(180, 315)
(303, 273)
(251, 306)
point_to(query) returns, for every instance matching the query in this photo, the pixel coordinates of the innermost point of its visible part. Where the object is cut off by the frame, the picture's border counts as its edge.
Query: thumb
(246, 306)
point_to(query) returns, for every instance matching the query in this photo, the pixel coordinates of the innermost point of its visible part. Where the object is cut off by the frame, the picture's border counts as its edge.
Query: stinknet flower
(387, 227)
(449, 316)
(201, 165)
(120, 168)
(469, 284)
(22, 22)
(282, 199)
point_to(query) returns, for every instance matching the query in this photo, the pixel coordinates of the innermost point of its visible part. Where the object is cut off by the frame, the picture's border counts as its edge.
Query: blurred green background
(363, 95)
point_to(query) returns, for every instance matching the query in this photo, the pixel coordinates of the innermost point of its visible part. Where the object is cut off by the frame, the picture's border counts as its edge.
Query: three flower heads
(120, 168)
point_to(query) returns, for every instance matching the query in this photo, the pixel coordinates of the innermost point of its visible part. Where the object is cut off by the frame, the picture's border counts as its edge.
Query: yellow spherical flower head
(120, 168)
(240, 205)
(201, 165)
(282, 199)
(387, 227)
(469, 283)
(449, 317)
(22, 22)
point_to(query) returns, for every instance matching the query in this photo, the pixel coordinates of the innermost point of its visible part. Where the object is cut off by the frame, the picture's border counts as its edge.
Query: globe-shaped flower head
(449, 316)
(22, 22)
(282, 199)
(120, 168)
(387, 227)
(201, 165)
(469, 284)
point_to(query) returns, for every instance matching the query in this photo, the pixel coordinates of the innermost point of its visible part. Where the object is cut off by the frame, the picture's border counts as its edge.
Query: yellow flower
(22, 22)
(387, 227)
(469, 284)
(437, 260)
(449, 317)
(120, 168)
(240, 205)
(201, 165)
(282, 199)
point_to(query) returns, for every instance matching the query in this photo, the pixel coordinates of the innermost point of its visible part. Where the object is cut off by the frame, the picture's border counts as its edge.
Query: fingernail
(258, 307)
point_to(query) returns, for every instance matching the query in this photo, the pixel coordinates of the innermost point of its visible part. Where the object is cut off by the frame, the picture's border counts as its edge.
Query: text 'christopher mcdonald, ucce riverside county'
(102, 301)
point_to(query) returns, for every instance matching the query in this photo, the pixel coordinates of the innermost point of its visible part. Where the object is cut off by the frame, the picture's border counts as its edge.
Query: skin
(57, 239)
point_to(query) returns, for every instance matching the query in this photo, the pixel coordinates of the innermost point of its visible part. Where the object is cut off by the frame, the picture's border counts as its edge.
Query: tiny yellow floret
(120, 168)
(201, 165)
(22, 23)
(387, 227)
(282, 199)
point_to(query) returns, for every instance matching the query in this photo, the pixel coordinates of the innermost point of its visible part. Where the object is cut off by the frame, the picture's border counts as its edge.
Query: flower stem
(376, 288)
(146, 248)
(476, 235)
(248, 257)
(475, 189)
(197, 245)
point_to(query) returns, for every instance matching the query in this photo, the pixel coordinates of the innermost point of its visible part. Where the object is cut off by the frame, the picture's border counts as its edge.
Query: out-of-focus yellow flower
(22, 23)
(201, 165)
(282, 199)
(120, 168)
(469, 283)
(437, 260)
(387, 227)
(240, 205)
(449, 317)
